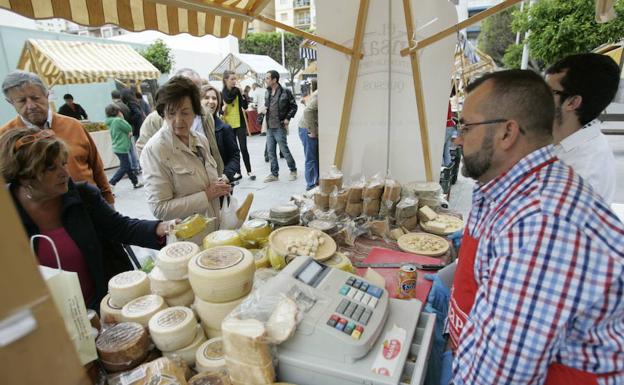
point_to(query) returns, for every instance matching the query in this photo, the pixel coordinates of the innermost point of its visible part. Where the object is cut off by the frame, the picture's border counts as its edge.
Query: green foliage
(496, 35)
(270, 43)
(564, 27)
(159, 54)
(513, 56)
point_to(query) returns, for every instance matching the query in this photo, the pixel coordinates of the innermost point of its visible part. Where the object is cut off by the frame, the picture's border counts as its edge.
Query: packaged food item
(126, 286)
(391, 345)
(355, 191)
(210, 378)
(255, 233)
(190, 226)
(407, 207)
(379, 228)
(329, 180)
(247, 353)
(160, 371)
(222, 238)
(370, 207)
(123, 346)
(283, 321)
(326, 226)
(373, 188)
(392, 191)
(321, 200)
(338, 200)
(354, 209)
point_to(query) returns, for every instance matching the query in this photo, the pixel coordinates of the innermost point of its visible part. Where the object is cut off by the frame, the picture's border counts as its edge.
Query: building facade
(468, 8)
(300, 14)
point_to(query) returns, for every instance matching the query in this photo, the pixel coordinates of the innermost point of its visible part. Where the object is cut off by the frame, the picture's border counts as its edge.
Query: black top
(228, 148)
(286, 103)
(99, 232)
(77, 112)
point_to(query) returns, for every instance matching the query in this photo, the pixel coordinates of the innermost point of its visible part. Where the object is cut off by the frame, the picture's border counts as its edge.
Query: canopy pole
(458, 27)
(309, 36)
(420, 100)
(354, 65)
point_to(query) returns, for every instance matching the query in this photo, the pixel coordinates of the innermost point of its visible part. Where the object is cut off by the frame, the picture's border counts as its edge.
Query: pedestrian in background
(120, 132)
(72, 109)
(308, 132)
(128, 97)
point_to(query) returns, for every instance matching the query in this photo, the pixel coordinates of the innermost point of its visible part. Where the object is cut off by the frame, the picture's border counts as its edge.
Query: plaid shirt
(550, 271)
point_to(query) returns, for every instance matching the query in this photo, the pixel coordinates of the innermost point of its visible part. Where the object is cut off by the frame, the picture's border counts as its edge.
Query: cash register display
(309, 273)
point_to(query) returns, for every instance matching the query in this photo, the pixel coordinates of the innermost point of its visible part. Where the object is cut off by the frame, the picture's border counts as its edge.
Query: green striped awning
(72, 62)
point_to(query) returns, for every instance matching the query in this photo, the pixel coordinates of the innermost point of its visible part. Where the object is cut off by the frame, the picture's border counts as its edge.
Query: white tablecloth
(104, 145)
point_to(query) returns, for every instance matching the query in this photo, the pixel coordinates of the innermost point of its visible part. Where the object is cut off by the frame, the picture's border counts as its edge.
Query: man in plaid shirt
(538, 296)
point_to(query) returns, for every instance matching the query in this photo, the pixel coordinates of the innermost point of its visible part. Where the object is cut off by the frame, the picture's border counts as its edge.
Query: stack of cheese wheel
(123, 346)
(210, 378)
(175, 332)
(141, 310)
(210, 357)
(169, 278)
(122, 288)
(221, 278)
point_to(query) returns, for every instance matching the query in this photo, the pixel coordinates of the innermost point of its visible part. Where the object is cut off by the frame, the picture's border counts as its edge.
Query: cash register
(342, 333)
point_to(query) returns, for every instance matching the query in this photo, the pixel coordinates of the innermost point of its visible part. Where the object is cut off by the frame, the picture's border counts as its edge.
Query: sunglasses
(29, 139)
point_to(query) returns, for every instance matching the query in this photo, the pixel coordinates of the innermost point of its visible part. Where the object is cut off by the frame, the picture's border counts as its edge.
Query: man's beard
(479, 163)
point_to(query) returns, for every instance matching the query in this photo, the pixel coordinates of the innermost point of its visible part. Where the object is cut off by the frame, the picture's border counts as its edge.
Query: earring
(29, 192)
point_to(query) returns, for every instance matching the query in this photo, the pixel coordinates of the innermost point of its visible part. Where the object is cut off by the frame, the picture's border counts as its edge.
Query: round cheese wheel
(123, 346)
(210, 378)
(211, 314)
(141, 309)
(173, 328)
(222, 274)
(173, 259)
(109, 313)
(210, 356)
(261, 258)
(184, 299)
(126, 286)
(211, 333)
(341, 262)
(222, 238)
(255, 232)
(164, 287)
(187, 353)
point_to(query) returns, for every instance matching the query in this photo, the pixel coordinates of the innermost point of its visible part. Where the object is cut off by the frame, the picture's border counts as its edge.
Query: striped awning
(307, 49)
(196, 17)
(72, 62)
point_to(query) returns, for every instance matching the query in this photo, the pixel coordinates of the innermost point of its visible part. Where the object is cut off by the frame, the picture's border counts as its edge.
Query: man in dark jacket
(72, 109)
(280, 108)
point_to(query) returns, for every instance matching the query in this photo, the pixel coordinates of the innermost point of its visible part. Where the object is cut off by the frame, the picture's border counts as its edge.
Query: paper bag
(67, 295)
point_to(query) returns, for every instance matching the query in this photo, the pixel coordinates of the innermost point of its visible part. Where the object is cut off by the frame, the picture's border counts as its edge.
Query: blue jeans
(277, 136)
(134, 160)
(310, 149)
(448, 140)
(124, 168)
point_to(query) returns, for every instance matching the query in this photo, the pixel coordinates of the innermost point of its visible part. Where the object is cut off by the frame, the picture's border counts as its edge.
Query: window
(107, 32)
(284, 16)
(302, 18)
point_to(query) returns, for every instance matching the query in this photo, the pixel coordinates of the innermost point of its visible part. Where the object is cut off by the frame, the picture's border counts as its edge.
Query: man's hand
(286, 121)
(163, 228)
(218, 189)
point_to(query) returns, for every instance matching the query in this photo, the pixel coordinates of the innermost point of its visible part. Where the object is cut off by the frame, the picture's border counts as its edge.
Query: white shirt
(589, 154)
(47, 124)
(197, 126)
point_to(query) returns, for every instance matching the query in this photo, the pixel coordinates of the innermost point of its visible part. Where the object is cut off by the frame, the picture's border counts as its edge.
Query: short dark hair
(274, 74)
(68, 96)
(172, 93)
(521, 95)
(112, 110)
(592, 76)
(138, 94)
(115, 94)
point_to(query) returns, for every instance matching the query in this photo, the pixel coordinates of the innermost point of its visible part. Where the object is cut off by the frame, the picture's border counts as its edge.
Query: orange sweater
(84, 160)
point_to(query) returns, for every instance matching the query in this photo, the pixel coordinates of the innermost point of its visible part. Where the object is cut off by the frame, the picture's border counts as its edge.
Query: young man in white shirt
(583, 85)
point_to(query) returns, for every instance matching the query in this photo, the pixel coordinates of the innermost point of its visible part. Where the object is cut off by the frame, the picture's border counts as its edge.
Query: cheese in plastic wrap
(255, 233)
(222, 238)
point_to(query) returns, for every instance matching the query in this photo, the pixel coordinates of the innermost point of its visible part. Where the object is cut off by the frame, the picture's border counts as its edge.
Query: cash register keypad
(360, 297)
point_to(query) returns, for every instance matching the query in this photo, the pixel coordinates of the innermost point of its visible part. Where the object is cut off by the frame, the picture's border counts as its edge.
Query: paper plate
(451, 225)
(423, 244)
(279, 239)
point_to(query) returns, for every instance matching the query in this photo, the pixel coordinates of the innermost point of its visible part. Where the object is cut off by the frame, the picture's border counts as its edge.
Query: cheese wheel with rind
(173, 328)
(212, 314)
(261, 258)
(126, 286)
(109, 313)
(222, 238)
(210, 356)
(123, 346)
(173, 259)
(141, 309)
(184, 299)
(255, 232)
(222, 273)
(187, 353)
(165, 287)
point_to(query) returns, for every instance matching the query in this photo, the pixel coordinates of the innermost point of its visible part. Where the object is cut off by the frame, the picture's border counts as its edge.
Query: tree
(159, 54)
(496, 35)
(270, 43)
(563, 27)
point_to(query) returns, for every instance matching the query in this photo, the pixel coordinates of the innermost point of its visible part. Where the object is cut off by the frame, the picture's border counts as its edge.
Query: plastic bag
(160, 371)
(331, 179)
(67, 296)
(407, 212)
(374, 188)
(229, 219)
(355, 190)
(338, 200)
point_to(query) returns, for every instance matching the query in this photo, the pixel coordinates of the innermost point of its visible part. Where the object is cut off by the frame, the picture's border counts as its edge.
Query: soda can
(407, 281)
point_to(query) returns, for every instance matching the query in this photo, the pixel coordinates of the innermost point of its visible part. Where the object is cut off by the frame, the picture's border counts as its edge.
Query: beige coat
(153, 122)
(175, 177)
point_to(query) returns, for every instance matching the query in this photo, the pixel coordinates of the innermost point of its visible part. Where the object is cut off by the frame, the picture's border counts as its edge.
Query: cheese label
(128, 277)
(171, 318)
(180, 250)
(220, 258)
(119, 335)
(143, 303)
(214, 350)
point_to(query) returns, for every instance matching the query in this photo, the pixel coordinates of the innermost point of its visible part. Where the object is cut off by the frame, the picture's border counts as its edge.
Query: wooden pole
(360, 27)
(420, 100)
(458, 27)
(306, 35)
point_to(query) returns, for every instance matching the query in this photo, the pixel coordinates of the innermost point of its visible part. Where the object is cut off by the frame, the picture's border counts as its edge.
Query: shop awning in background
(196, 17)
(307, 49)
(72, 62)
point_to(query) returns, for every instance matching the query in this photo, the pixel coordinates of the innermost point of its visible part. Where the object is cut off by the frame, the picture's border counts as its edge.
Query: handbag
(67, 296)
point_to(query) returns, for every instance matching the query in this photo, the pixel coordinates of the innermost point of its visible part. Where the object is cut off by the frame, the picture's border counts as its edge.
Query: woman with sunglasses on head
(87, 231)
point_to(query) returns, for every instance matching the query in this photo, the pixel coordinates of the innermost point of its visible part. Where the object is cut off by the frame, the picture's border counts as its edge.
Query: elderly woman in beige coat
(180, 173)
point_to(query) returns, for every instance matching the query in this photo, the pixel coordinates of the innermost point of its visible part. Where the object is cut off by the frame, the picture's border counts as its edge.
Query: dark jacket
(98, 231)
(286, 104)
(228, 97)
(124, 109)
(136, 118)
(228, 148)
(78, 113)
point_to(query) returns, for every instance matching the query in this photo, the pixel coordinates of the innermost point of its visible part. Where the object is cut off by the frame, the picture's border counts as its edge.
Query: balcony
(301, 4)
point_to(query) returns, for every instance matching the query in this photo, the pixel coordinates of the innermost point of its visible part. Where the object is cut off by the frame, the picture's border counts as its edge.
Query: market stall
(55, 61)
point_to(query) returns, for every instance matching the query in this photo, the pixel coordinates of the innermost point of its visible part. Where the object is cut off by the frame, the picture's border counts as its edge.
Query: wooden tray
(279, 238)
(406, 241)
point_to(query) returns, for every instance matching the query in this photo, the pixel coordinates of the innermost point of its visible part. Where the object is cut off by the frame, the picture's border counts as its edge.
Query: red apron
(464, 291)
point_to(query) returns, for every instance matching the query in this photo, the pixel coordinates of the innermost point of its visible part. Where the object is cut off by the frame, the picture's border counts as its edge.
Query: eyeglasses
(463, 128)
(29, 139)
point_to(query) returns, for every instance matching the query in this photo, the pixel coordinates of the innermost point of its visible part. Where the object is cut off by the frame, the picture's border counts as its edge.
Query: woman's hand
(218, 189)
(163, 228)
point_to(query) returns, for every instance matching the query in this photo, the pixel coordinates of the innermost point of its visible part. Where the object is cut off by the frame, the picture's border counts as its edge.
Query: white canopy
(247, 64)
